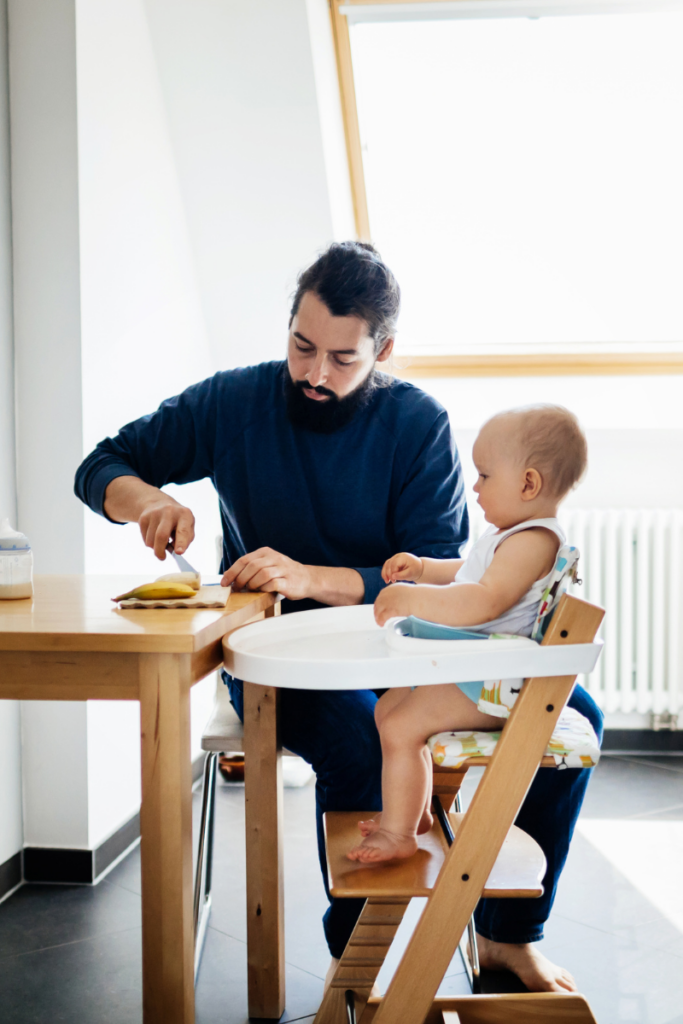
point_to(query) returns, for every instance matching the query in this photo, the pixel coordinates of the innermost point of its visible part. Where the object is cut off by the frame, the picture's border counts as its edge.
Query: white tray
(344, 649)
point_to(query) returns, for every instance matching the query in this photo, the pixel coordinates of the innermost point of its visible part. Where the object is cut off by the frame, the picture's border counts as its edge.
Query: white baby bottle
(16, 564)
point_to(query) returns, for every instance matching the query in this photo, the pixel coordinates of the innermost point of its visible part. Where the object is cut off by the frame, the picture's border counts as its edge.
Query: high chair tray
(345, 649)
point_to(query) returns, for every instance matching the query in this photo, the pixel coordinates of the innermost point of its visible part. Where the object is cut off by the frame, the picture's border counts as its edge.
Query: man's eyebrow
(335, 351)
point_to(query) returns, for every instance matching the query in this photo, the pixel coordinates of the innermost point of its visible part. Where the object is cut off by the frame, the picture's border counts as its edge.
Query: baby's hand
(402, 567)
(393, 601)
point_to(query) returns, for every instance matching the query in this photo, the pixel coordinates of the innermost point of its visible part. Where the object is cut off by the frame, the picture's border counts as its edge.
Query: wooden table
(72, 643)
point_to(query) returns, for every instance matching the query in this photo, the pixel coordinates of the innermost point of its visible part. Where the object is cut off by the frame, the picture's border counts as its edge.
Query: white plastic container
(16, 564)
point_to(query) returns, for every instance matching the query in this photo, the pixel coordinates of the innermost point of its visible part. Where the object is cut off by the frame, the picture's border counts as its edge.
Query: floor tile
(222, 985)
(624, 788)
(93, 980)
(38, 916)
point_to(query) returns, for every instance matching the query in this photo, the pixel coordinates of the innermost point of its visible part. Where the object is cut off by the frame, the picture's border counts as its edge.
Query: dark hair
(351, 279)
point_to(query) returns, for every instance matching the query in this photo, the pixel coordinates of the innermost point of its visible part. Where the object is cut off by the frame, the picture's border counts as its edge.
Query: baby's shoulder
(535, 547)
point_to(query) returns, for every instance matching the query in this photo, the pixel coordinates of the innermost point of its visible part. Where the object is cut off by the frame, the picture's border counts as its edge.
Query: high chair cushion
(572, 745)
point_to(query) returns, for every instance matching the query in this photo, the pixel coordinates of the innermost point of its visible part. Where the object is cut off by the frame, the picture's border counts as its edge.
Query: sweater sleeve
(172, 445)
(430, 512)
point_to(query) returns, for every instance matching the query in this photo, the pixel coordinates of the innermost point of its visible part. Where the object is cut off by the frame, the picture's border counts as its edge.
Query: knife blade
(181, 562)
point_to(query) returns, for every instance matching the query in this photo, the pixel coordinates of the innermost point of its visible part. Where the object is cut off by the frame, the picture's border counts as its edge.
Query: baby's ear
(533, 484)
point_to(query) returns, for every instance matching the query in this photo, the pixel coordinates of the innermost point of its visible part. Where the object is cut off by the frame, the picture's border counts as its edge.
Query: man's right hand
(161, 518)
(166, 520)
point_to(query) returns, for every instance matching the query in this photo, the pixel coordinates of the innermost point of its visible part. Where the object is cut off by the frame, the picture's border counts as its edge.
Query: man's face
(329, 355)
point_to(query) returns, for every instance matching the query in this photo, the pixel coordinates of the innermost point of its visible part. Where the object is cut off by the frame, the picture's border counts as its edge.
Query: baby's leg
(386, 703)
(424, 824)
(406, 771)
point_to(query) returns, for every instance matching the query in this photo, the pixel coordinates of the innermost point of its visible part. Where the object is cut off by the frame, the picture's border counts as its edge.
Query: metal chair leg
(202, 885)
(472, 961)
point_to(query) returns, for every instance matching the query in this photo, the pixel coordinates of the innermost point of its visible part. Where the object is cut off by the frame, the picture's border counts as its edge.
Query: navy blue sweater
(388, 481)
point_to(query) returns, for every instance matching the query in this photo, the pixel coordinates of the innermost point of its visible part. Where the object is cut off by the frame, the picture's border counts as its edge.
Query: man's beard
(328, 416)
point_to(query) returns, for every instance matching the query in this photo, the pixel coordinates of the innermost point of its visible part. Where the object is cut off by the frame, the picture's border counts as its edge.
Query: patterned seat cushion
(572, 745)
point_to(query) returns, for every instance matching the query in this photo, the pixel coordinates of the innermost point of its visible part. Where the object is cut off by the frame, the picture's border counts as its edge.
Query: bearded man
(324, 468)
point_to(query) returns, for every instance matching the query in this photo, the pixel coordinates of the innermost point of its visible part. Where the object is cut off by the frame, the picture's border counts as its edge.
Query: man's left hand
(393, 600)
(271, 571)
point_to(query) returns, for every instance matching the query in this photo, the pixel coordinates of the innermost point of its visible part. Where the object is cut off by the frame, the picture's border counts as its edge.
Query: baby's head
(528, 460)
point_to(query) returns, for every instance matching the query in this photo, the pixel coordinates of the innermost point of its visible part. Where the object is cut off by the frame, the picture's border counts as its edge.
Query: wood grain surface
(76, 613)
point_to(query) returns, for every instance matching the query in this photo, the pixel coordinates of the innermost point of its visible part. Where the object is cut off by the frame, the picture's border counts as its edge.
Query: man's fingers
(161, 539)
(278, 585)
(184, 532)
(251, 570)
(232, 574)
(264, 576)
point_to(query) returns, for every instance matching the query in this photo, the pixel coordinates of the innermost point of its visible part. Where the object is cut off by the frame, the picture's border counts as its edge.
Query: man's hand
(393, 601)
(128, 499)
(164, 519)
(403, 566)
(271, 571)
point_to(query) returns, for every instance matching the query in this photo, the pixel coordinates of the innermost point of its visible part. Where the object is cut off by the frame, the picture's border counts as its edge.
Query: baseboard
(642, 741)
(49, 864)
(10, 874)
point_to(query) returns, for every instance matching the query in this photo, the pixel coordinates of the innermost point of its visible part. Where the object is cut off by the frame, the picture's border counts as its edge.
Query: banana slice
(191, 579)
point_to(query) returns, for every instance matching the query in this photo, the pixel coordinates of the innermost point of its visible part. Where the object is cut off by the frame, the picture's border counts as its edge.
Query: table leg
(166, 845)
(265, 888)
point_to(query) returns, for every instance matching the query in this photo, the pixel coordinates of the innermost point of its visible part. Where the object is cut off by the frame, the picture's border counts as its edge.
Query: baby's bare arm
(411, 568)
(440, 570)
(520, 560)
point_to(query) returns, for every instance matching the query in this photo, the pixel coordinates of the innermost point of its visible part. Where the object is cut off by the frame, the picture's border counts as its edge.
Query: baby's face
(501, 474)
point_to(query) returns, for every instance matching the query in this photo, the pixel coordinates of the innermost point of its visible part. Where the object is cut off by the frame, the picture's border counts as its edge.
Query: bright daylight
(524, 176)
(341, 511)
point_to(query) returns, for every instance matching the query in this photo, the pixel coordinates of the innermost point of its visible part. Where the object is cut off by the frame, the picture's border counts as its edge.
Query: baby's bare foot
(381, 846)
(366, 828)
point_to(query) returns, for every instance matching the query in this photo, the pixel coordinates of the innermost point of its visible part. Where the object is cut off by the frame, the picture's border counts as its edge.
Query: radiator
(632, 565)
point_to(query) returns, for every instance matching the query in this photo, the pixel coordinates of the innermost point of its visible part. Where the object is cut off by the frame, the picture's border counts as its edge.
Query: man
(324, 468)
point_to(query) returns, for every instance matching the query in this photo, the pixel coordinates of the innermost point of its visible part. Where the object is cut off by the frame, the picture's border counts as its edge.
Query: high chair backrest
(564, 573)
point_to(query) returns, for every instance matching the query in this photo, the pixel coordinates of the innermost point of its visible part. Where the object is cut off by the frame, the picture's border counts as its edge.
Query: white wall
(239, 87)
(10, 722)
(171, 180)
(46, 279)
(634, 427)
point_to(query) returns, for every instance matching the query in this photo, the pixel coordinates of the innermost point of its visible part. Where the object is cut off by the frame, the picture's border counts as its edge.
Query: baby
(528, 459)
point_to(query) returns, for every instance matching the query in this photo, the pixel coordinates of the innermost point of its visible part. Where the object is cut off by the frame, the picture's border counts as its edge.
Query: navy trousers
(335, 732)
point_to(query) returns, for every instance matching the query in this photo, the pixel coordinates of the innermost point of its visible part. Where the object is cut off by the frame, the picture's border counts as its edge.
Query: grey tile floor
(72, 953)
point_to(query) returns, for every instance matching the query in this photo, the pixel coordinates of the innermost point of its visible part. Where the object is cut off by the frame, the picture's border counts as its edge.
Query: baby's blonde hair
(549, 438)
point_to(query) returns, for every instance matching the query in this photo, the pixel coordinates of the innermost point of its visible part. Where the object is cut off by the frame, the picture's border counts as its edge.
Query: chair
(223, 732)
(463, 858)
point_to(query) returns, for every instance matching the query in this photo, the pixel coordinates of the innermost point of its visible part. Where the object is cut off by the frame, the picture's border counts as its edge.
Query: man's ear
(533, 482)
(387, 349)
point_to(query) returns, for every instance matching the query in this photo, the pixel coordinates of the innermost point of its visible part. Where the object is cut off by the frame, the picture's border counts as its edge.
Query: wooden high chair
(489, 856)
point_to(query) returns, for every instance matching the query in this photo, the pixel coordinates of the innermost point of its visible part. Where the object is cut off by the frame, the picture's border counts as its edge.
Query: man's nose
(318, 374)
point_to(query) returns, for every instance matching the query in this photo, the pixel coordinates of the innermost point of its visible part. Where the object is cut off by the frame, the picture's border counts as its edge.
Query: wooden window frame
(514, 365)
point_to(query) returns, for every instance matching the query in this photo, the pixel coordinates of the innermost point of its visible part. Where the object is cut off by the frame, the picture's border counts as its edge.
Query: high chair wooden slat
(466, 867)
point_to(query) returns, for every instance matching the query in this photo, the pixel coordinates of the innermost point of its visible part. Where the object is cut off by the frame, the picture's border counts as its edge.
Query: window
(522, 176)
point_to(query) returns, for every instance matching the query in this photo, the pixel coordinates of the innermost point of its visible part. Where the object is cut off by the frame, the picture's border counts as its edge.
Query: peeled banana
(158, 591)
(192, 579)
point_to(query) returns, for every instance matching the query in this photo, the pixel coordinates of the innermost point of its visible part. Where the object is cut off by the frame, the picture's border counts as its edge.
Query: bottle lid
(12, 540)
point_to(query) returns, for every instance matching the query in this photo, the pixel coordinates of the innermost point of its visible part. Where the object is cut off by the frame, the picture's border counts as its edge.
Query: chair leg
(202, 885)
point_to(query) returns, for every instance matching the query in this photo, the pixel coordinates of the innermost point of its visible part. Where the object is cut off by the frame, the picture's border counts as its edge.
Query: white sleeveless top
(521, 617)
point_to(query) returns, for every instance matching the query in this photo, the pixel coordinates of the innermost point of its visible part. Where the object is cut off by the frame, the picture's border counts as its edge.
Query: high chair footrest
(517, 872)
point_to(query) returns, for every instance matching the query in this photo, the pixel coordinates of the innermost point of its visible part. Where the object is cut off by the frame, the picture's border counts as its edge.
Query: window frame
(425, 366)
